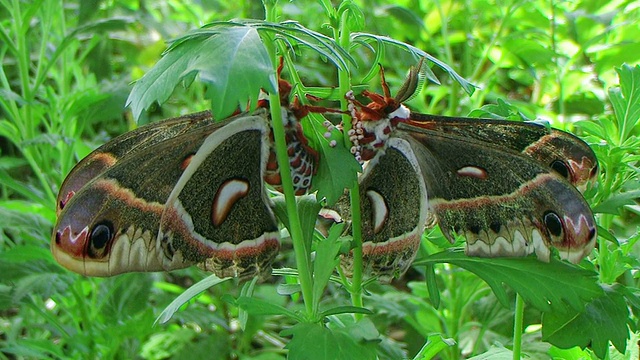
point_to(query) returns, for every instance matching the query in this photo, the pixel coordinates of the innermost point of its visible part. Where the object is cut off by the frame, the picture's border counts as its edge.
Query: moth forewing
(126, 145)
(219, 212)
(563, 152)
(504, 203)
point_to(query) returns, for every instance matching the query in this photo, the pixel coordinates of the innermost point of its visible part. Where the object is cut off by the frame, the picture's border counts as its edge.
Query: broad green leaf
(187, 295)
(317, 342)
(604, 319)
(232, 61)
(547, 286)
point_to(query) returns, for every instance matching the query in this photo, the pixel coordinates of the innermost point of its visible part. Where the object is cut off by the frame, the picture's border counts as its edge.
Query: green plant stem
(344, 84)
(517, 327)
(303, 260)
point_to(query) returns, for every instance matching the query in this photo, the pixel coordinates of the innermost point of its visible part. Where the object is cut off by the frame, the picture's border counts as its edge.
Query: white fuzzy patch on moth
(402, 112)
(379, 209)
(228, 194)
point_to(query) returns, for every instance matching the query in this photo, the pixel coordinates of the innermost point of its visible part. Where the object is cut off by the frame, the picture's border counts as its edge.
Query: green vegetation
(66, 75)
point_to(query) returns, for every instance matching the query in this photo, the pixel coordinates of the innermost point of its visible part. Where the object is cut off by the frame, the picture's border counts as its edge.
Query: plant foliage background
(67, 69)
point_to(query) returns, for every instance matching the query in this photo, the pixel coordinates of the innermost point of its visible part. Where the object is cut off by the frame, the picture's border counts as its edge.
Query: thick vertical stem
(344, 84)
(295, 229)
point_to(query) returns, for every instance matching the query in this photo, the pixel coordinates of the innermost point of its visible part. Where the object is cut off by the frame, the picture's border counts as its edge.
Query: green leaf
(338, 169)
(547, 286)
(365, 38)
(187, 295)
(435, 343)
(432, 285)
(495, 353)
(346, 310)
(255, 306)
(614, 203)
(317, 342)
(308, 209)
(247, 290)
(232, 61)
(502, 110)
(326, 260)
(121, 301)
(626, 99)
(34, 349)
(604, 319)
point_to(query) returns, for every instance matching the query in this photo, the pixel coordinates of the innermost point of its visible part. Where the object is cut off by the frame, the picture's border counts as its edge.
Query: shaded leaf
(604, 319)
(547, 286)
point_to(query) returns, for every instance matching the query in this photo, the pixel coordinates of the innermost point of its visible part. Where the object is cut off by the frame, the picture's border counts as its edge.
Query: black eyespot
(592, 233)
(101, 235)
(561, 168)
(495, 226)
(553, 223)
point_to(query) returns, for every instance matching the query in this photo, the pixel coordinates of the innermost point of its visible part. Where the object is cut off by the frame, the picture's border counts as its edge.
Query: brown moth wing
(563, 152)
(127, 144)
(394, 209)
(502, 202)
(219, 210)
(111, 225)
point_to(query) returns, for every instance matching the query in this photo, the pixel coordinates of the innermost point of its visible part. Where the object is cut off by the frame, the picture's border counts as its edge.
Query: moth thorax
(369, 137)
